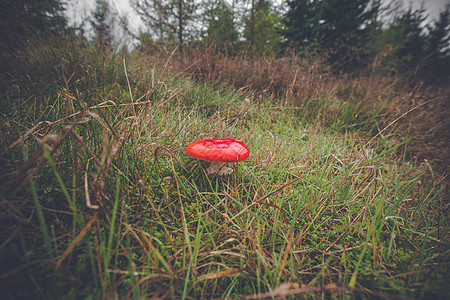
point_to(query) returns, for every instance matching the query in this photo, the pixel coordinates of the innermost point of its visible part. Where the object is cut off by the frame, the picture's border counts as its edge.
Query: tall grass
(108, 205)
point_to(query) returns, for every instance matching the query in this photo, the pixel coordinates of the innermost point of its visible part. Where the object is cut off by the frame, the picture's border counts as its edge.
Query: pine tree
(261, 28)
(438, 47)
(339, 26)
(439, 34)
(344, 23)
(221, 28)
(23, 20)
(302, 25)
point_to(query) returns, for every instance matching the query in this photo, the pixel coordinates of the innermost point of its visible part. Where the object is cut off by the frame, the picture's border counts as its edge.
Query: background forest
(344, 105)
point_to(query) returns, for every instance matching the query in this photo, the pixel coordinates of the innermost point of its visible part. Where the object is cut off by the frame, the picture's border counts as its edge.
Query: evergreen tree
(407, 49)
(221, 28)
(261, 28)
(28, 19)
(438, 44)
(439, 34)
(343, 25)
(337, 25)
(409, 39)
(302, 26)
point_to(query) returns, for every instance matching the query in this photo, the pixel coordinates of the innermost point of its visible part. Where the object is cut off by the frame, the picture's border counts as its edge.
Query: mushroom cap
(219, 150)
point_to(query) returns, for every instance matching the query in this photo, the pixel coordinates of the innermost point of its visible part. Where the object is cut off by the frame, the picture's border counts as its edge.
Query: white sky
(80, 10)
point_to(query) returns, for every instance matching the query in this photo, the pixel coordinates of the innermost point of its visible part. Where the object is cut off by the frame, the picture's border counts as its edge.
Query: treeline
(351, 34)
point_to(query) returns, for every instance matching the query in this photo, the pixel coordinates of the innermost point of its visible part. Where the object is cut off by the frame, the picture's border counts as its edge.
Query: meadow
(344, 195)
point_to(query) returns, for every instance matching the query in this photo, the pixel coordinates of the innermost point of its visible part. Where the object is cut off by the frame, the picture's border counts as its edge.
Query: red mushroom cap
(219, 150)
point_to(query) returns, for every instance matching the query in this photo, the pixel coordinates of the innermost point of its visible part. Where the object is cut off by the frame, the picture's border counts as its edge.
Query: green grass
(316, 210)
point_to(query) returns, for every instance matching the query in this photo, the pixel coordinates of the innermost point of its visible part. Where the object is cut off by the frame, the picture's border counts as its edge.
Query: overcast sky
(77, 12)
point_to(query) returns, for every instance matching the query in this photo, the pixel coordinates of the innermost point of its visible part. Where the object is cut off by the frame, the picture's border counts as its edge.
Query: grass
(99, 200)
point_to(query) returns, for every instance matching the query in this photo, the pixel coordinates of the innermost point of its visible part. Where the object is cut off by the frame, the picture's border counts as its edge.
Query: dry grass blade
(113, 151)
(79, 139)
(398, 118)
(279, 209)
(86, 191)
(286, 253)
(106, 157)
(76, 241)
(22, 138)
(32, 165)
(129, 87)
(130, 229)
(97, 117)
(276, 191)
(105, 147)
(291, 289)
(225, 252)
(155, 251)
(170, 153)
(219, 275)
(146, 192)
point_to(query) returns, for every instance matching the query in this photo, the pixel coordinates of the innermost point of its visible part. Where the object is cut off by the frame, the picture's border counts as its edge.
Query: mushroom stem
(218, 168)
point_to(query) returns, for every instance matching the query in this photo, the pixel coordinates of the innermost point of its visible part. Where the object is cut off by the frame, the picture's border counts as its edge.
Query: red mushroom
(218, 152)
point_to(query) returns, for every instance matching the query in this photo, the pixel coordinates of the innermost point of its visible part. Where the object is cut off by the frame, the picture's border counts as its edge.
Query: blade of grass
(72, 205)
(290, 239)
(41, 219)
(370, 230)
(40, 215)
(193, 259)
(112, 225)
